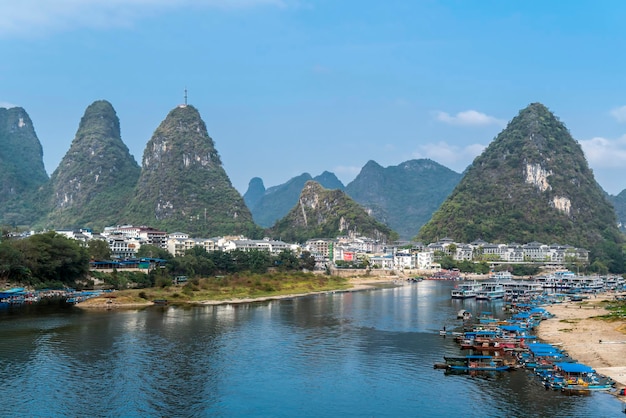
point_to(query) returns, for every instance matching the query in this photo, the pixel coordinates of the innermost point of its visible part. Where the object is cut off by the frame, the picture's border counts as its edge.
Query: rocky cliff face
(183, 185)
(403, 196)
(531, 184)
(323, 213)
(96, 177)
(22, 171)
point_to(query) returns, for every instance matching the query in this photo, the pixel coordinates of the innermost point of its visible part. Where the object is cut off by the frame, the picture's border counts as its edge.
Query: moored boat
(476, 362)
(490, 291)
(465, 290)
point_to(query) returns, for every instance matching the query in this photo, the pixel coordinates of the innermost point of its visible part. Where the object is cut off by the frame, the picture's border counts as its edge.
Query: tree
(12, 263)
(152, 251)
(99, 250)
(51, 257)
(307, 261)
(286, 260)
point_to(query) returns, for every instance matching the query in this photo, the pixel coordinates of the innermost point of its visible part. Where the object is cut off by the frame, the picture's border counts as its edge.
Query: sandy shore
(594, 342)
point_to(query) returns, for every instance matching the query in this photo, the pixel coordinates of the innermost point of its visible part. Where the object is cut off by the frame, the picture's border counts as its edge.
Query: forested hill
(275, 202)
(323, 213)
(97, 175)
(532, 183)
(22, 171)
(183, 185)
(403, 196)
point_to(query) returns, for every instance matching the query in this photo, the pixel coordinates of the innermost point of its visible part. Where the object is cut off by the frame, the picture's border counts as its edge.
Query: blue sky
(293, 86)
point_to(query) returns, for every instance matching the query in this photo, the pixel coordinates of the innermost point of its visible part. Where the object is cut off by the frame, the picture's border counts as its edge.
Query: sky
(293, 86)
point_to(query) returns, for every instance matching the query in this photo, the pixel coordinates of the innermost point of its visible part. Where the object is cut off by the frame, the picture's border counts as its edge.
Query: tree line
(53, 260)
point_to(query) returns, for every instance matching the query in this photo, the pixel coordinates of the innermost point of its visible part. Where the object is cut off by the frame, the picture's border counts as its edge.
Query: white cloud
(619, 113)
(606, 153)
(7, 105)
(469, 118)
(39, 17)
(452, 156)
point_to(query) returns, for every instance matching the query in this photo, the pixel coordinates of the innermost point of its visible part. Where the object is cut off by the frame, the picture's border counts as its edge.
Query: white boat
(502, 275)
(490, 291)
(465, 290)
(464, 315)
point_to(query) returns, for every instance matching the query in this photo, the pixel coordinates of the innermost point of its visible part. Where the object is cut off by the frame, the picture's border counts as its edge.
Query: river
(355, 354)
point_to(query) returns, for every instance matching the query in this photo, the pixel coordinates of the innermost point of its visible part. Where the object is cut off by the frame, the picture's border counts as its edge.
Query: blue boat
(577, 377)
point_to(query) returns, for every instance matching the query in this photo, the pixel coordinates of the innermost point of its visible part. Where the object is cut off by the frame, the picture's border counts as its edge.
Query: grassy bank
(236, 286)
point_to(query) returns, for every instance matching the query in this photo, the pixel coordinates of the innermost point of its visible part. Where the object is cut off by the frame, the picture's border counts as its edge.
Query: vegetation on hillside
(96, 177)
(322, 213)
(22, 171)
(183, 186)
(512, 193)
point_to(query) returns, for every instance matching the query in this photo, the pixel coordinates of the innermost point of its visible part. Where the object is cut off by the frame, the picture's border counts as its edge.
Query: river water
(359, 354)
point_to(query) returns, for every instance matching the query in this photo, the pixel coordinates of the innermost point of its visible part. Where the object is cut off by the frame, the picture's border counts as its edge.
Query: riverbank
(356, 284)
(598, 343)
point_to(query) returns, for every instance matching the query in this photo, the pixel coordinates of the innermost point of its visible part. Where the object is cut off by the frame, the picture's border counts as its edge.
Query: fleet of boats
(490, 344)
(502, 285)
(20, 296)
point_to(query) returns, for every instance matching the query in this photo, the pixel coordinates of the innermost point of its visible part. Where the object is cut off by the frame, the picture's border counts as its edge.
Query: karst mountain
(269, 205)
(183, 185)
(323, 213)
(22, 171)
(95, 179)
(532, 183)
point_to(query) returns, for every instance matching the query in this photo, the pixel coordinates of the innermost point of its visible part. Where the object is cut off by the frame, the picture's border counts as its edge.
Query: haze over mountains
(532, 183)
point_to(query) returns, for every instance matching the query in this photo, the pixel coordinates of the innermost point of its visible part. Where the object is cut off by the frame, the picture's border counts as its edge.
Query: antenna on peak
(185, 95)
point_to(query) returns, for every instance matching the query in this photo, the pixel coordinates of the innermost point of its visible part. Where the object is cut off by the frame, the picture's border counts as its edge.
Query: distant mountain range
(269, 205)
(531, 184)
(403, 196)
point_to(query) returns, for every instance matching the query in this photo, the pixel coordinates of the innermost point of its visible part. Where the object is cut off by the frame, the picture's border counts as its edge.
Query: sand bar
(597, 343)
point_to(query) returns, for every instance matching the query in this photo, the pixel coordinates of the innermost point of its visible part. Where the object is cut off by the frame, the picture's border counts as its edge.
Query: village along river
(368, 353)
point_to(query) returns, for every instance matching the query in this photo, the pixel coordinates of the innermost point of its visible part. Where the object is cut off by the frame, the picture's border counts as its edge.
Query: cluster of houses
(351, 250)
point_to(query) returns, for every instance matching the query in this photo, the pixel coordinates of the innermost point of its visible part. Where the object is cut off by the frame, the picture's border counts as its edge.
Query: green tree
(259, 261)
(12, 266)
(99, 249)
(152, 251)
(447, 262)
(51, 257)
(286, 260)
(307, 261)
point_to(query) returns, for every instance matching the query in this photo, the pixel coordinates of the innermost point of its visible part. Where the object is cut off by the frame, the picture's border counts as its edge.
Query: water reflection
(354, 354)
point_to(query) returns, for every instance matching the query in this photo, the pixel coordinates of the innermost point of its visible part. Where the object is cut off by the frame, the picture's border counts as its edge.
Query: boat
(476, 362)
(464, 315)
(577, 377)
(490, 291)
(465, 290)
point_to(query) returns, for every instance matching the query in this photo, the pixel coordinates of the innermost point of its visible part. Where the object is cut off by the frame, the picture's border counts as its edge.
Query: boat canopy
(512, 328)
(574, 368)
